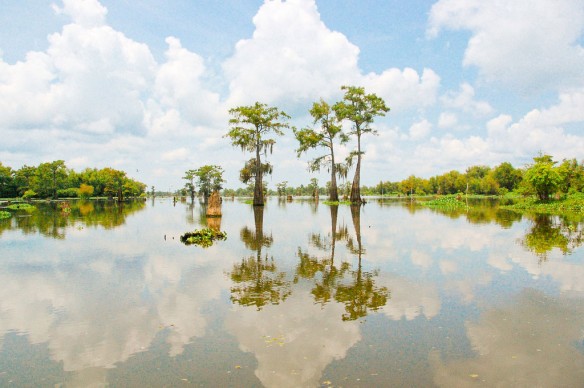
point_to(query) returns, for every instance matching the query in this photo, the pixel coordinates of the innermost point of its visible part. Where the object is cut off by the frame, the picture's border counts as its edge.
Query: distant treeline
(55, 180)
(544, 174)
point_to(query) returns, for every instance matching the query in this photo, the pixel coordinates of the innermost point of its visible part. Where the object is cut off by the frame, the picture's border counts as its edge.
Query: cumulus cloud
(292, 54)
(447, 120)
(525, 44)
(88, 13)
(305, 60)
(540, 129)
(420, 130)
(404, 89)
(179, 91)
(464, 101)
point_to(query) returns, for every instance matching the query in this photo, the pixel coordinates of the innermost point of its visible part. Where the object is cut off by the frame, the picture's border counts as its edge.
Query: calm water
(299, 295)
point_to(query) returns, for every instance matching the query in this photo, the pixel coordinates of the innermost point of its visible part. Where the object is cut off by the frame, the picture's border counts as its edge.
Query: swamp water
(299, 295)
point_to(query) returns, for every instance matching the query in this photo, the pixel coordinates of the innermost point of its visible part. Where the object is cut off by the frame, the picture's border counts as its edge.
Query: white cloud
(88, 13)
(464, 101)
(540, 130)
(526, 44)
(306, 61)
(177, 154)
(178, 87)
(405, 89)
(303, 60)
(420, 130)
(447, 120)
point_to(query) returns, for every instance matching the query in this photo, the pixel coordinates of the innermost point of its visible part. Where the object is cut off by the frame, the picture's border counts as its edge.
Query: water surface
(300, 294)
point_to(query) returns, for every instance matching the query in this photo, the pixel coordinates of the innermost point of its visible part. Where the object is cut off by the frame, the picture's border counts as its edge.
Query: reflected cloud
(293, 342)
(528, 343)
(410, 299)
(88, 325)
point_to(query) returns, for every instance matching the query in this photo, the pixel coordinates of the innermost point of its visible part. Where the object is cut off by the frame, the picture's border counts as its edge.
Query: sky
(145, 86)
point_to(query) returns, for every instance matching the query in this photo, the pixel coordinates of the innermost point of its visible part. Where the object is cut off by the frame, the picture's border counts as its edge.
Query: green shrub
(85, 191)
(28, 194)
(68, 193)
(4, 215)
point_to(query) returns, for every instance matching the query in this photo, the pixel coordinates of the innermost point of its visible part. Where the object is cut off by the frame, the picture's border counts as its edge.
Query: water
(299, 295)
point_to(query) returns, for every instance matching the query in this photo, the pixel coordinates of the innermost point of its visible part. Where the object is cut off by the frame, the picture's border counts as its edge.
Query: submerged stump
(214, 205)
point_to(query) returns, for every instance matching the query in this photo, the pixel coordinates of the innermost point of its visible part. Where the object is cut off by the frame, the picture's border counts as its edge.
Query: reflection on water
(257, 280)
(526, 343)
(550, 232)
(308, 295)
(50, 221)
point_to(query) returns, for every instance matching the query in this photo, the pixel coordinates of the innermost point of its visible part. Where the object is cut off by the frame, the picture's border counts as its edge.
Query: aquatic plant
(445, 202)
(203, 237)
(22, 206)
(573, 203)
(4, 215)
(334, 203)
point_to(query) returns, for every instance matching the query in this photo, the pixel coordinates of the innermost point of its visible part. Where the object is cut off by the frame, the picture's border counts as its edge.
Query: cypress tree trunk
(356, 187)
(258, 193)
(334, 194)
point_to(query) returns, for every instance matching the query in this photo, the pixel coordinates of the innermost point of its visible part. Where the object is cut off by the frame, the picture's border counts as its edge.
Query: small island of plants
(203, 237)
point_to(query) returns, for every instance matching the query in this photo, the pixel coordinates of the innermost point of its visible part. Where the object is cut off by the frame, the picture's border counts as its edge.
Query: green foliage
(4, 215)
(54, 179)
(571, 176)
(71, 192)
(210, 178)
(445, 202)
(360, 109)
(573, 203)
(329, 128)
(250, 128)
(22, 206)
(85, 191)
(28, 194)
(203, 237)
(507, 176)
(190, 185)
(49, 178)
(7, 182)
(335, 203)
(543, 177)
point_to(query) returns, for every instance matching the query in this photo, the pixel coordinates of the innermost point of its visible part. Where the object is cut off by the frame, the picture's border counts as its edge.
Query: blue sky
(145, 86)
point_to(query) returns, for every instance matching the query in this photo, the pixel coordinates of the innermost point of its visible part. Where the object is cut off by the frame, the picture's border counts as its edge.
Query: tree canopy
(323, 136)
(250, 129)
(360, 110)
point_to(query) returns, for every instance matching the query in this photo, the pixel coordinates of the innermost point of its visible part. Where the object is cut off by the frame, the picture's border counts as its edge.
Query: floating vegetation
(445, 202)
(4, 215)
(22, 206)
(571, 204)
(203, 237)
(334, 203)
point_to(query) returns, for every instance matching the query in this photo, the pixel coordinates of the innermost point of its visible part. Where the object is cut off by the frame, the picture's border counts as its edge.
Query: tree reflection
(48, 219)
(356, 289)
(481, 211)
(549, 232)
(257, 279)
(361, 294)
